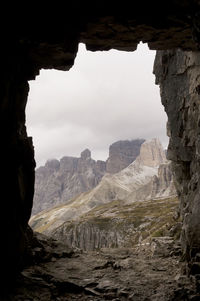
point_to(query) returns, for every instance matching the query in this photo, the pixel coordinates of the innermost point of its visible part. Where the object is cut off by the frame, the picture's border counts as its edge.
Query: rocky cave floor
(148, 272)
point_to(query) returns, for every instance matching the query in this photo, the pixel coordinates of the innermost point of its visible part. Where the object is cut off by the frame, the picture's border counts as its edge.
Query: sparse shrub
(159, 233)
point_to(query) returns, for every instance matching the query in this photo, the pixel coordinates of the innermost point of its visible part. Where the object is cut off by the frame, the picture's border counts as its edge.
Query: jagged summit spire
(86, 154)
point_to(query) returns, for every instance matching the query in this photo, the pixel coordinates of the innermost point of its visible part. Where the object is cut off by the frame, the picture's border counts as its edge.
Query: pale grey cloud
(105, 97)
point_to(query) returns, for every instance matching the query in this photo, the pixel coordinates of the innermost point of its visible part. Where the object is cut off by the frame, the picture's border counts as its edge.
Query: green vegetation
(132, 222)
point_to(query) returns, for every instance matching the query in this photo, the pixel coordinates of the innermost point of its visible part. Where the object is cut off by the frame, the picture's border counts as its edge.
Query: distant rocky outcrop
(151, 153)
(59, 181)
(122, 153)
(118, 225)
(106, 215)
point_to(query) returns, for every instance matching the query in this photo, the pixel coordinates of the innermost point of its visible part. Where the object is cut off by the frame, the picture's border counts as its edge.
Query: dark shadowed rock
(122, 153)
(52, 164)
(86, 154)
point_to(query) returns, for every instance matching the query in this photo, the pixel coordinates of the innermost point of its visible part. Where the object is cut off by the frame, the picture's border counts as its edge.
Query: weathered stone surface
(119, 225)
(177, 73)
(165, 183)
(110, 274)
(59, 181)
(152, 153)
(122, 154)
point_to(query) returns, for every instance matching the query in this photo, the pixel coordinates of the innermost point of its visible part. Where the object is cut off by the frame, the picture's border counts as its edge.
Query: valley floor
(151, 271)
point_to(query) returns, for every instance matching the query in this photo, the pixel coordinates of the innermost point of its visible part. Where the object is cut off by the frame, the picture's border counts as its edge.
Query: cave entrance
(110, 94)
(106, 98)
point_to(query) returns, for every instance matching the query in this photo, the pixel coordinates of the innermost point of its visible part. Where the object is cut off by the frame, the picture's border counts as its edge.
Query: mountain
(59, 181)
(105, 215)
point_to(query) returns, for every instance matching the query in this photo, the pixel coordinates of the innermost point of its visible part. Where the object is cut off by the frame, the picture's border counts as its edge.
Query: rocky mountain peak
(91, 220)
(122, 153)
(52, 164)
(86, 154)
(152, 153)
(59, 181)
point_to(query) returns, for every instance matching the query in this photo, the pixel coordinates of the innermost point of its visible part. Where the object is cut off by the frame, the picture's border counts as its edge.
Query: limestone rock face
(177, 73)
(152, 153)
(118, 224)
(166, 180)
(122, 153)
(59, 181)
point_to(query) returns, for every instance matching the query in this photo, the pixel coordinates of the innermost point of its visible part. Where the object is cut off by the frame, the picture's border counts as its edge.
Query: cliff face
(152, 153)
(122, 153)
(140, 180)
(118, 225)
(177, 73)
(59, 181)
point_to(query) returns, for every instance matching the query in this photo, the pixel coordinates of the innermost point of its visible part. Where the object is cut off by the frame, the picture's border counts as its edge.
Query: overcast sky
(105, 97)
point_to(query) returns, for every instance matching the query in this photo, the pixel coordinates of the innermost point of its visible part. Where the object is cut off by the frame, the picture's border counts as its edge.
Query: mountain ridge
(147, 178)
(60, 180)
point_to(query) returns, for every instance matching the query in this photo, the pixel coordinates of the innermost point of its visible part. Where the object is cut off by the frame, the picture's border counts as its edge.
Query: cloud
(105, 97)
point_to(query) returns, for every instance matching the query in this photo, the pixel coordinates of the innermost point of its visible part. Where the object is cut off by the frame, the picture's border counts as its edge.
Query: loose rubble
(151, 271)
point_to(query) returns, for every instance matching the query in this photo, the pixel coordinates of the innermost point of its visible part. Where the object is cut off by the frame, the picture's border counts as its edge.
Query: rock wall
(118, 225)
(90, 236)
(122, 153)
(152, 153)
(164, 183)
(17, 162)
(178, 75)
(59, 181)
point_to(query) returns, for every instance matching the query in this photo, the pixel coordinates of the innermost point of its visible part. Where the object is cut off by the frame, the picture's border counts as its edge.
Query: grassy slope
(133, 222)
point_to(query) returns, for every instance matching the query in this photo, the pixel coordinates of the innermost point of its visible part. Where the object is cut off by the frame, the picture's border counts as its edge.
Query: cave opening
(169, 25)
(107, 98)
(112, 84)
